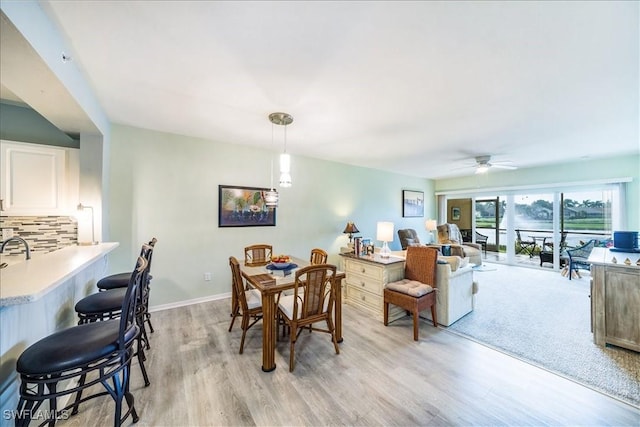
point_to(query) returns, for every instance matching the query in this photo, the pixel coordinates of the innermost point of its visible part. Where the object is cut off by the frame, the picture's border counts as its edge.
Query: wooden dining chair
(302, 310)
(318, 256)
(249, 302)
(257, 255)
(417, 291)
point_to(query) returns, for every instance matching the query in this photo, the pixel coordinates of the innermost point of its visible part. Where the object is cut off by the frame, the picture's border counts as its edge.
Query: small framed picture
(455, 214)
(412, 203)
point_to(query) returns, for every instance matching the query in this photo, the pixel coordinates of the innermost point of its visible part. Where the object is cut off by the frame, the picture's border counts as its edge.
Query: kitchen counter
(29, 280)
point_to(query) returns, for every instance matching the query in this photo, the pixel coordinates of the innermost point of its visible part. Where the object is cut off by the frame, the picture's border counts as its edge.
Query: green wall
(166, 186)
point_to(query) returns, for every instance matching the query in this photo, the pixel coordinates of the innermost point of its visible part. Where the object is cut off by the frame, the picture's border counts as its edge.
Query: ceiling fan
(483, 164)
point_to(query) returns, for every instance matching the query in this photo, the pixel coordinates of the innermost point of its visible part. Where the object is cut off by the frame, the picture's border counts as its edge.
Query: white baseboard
(190, 302)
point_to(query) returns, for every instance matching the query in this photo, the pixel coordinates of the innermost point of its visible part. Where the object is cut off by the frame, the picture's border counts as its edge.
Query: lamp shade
(430, 224)
(351, 228)
(384, 231)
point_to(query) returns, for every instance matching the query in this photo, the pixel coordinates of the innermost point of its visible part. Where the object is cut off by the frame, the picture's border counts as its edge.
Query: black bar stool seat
(73, 347)
(101, 305)
(113, 281)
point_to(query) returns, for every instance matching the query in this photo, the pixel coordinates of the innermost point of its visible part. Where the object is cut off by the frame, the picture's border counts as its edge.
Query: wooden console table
(615, 298)
(366, 278)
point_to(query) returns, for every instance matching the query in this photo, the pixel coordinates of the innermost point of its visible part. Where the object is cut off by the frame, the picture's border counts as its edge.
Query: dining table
(271, 283)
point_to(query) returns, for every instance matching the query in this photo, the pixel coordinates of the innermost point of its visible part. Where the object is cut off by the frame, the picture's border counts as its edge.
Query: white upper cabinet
(35, 178)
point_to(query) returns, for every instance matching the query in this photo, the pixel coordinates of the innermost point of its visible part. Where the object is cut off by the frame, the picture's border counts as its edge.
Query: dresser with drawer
(365, 280)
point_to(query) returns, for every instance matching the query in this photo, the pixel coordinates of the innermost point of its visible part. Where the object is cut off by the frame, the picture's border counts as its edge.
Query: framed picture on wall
(412, 203)
(455, 214)
(243, 207)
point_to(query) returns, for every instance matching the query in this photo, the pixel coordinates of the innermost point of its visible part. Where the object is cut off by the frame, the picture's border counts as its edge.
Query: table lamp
(350, 229)
(431, 226)
(384, 233)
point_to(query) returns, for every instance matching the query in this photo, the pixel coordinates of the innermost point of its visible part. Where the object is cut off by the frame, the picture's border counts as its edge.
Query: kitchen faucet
(16, 239)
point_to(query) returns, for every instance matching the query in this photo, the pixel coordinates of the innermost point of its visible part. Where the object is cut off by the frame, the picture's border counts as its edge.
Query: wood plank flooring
(380, 377)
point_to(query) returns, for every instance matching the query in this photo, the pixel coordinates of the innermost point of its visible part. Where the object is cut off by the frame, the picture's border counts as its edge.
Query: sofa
(456, 289)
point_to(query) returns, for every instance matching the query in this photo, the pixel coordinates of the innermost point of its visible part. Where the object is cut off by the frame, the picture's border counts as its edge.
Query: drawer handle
(362, 284)
(362, 297)
(364, 270)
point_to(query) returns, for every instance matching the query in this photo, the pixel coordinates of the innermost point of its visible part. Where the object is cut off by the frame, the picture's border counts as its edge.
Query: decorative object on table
(357, 246)
(431, 225)
(412, 203)
(350, 229)
(82, 207)
(385, 234)
(446, 250)
(626, 241)
(283, 119)
(283, 269)
(244, 207)
(455, 214)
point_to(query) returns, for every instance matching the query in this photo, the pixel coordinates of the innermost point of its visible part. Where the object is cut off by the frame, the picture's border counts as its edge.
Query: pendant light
(283, 119)
(271, 196)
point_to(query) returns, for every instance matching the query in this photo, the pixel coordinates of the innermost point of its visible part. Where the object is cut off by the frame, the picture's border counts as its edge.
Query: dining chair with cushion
(417, 291)
(302, 310)
(249, 302)
(78, 358)
(257, 255)
(318, 256)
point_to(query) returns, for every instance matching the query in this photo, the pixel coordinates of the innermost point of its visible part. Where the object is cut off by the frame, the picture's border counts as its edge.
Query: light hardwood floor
(380, 377)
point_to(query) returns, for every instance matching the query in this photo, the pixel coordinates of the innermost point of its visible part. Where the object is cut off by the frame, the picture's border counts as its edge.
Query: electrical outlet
(7, 233)
(207, 277)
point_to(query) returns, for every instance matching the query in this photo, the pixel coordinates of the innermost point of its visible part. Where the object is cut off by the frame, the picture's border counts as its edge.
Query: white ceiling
(418, 88)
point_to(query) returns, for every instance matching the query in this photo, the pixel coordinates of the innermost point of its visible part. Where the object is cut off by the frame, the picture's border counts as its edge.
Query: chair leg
(292, 348)
(245, 326)
(234, 314)
(386, 313)
(434, 316)
(333, 334)
(416, 316)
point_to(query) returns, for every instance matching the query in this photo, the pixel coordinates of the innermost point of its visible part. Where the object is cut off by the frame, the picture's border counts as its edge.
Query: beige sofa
(456, 289)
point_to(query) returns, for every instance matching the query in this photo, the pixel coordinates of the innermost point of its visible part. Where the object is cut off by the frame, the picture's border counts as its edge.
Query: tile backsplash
(43, 233)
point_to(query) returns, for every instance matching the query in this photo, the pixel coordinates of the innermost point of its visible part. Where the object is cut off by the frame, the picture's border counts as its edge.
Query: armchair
(578, 257)
(449, 234)
(456, 288)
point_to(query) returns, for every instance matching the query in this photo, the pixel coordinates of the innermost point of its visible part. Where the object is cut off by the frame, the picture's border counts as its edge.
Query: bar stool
(120, 280)
(106, 305)
(100, 352)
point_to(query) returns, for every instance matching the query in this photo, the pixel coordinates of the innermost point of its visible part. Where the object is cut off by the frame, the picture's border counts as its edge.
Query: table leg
(268, 332)
(338, 311)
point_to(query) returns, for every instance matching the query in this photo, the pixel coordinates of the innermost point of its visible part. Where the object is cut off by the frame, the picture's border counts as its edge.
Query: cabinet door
(33, 179)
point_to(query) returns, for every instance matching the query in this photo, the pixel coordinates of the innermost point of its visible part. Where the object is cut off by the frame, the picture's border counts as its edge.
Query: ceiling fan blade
(499, 166)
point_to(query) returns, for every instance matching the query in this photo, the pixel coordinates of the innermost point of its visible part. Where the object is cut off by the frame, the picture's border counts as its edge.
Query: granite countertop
(26, 281)
(604, 256)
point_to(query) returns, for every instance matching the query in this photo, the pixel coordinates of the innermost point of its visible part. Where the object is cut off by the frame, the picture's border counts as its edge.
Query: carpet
(543, 318)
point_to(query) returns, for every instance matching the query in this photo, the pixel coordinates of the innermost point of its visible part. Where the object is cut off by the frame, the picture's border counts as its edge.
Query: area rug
(544, 318)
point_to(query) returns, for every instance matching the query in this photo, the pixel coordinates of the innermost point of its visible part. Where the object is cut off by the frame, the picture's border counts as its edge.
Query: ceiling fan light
(482, 169)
